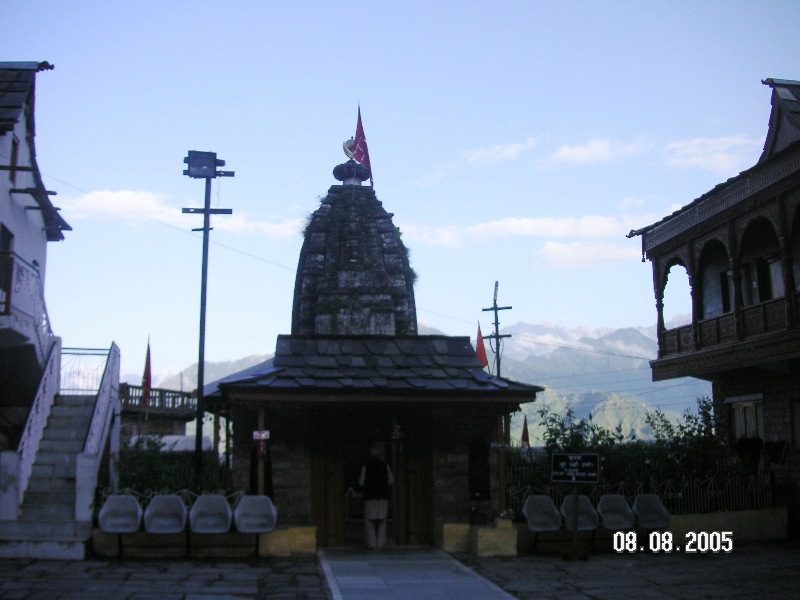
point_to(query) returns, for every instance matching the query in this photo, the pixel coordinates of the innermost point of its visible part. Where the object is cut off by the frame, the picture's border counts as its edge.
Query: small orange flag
(480, 349)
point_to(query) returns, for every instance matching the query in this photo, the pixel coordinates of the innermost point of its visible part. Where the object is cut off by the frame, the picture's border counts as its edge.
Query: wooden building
(740, 246)
(354, 373)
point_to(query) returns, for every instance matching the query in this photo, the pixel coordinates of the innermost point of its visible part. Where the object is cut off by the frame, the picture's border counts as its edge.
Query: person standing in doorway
(376, 478)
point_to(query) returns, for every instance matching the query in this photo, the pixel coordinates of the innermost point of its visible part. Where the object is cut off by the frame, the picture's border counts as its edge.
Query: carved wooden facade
(740, 246)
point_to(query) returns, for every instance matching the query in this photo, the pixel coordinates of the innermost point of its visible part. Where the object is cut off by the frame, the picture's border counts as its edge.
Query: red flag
(147, 383)
(480, 349)
(526, 442)
(360, 150)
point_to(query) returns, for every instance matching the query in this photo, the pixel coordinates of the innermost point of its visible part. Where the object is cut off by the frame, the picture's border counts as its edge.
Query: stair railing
(88, 461)
(37, 418)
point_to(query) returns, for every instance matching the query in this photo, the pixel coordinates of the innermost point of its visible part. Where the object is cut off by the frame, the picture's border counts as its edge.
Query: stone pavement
(752, 570)
(403, 574)
(297, 578)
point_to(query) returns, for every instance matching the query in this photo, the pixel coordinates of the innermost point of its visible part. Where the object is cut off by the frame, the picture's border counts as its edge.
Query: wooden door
(414, 485)
(327, 481)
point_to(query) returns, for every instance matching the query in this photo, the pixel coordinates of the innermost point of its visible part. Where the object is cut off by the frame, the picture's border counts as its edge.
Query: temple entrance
(342, 441)
(355, 454)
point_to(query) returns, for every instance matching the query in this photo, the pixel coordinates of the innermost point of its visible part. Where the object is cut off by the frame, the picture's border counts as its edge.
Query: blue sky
(514, 141)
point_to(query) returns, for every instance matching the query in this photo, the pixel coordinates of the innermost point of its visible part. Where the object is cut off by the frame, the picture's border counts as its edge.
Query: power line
(523, 336)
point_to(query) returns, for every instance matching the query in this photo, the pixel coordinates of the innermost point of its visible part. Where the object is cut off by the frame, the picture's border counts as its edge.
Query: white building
(50, 444)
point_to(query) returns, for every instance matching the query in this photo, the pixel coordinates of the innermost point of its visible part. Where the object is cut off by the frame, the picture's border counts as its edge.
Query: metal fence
(82, 370)
(687, 496)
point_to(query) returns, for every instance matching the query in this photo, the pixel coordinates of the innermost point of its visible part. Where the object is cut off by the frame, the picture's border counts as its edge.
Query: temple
(354, 373)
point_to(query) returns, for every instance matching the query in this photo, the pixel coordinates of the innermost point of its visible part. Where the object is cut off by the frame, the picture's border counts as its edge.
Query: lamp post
(203, 165)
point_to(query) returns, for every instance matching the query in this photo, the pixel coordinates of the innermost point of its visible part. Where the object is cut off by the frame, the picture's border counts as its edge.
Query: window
(479, 472)
(726, 286)
(12, 172)
(6, 247)
(796, 423)
(748, 416)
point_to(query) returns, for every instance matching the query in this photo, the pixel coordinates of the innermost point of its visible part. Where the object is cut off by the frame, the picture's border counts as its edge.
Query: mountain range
(604, 372)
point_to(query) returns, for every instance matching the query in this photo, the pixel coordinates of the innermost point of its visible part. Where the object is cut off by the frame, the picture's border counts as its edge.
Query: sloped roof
(16, 84)
(17, 94)
(430, 367)
(784, 120)
(783, 132)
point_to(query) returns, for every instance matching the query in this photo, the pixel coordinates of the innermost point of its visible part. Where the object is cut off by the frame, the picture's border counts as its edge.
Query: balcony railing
(22, 296)
(758, 319)
(164, 403)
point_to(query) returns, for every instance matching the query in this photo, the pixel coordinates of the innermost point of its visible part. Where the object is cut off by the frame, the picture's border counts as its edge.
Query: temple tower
(353, 275)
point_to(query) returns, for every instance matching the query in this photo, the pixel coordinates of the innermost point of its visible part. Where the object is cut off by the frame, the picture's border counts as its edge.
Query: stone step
(35, 529)
(44, 498)
(49, 457)
(72, 411)
(46, 513)
(50, 485)
(69, 400)
(55, 433)
(77, 424)
(60, 447)
(53, 470)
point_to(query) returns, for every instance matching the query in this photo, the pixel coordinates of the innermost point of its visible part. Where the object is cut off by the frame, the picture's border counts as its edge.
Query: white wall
(30, 239)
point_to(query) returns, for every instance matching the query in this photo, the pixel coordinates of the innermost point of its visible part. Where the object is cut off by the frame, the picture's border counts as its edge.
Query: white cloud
(574, 254)
(600, 150)
(587, 227)
(726, 155)
(497, 153)
(137, 206)
(440, 173)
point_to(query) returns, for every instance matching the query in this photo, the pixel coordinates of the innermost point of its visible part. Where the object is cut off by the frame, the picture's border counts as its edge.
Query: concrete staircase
(46, 527)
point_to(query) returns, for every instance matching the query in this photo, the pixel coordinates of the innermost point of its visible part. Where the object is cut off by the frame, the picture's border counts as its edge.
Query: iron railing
(687, 496)
(22, 296)
(82, 370)
(162, 402)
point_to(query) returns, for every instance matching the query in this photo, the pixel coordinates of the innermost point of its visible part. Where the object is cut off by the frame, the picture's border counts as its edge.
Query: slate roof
(16, 83)
(17, 92)
(783, 132)
(430, 367)
(784, 120)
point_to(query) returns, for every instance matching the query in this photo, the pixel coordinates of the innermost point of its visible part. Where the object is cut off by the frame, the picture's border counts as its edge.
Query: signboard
(575, 468)
(261, 436)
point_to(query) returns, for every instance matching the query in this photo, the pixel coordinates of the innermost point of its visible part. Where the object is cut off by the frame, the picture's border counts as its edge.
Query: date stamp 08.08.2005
(694, 542)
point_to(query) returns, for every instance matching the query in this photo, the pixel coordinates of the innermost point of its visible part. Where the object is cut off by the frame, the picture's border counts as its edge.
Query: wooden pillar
(215, 449)
(503, 438)
(260, 469)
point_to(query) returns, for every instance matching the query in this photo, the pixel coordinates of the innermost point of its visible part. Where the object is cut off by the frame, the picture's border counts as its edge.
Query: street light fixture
(203, 165)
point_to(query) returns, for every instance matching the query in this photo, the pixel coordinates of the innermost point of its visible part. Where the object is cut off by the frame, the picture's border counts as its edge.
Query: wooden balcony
(711, 346)
(759, 319)
(169, 404)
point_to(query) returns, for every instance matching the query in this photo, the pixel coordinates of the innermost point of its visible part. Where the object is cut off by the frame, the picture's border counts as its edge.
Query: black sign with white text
(575, 468)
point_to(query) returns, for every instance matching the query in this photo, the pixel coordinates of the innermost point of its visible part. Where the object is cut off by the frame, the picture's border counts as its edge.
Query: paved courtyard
(750, 571)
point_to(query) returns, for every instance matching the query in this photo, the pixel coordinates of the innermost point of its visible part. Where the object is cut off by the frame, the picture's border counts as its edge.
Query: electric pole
(496, 335)
(203, 165)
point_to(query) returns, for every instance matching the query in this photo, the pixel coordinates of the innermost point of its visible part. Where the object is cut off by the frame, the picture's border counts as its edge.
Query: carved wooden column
(787, 264)
(690, 272)
(658, 289)
(738, 301)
